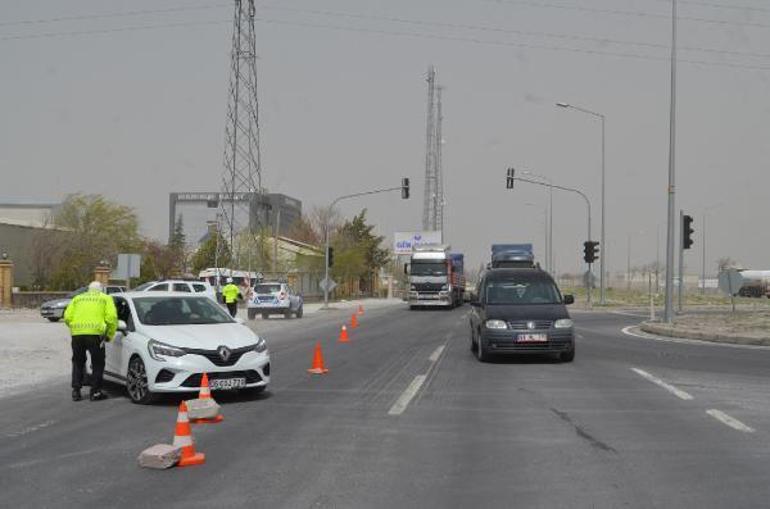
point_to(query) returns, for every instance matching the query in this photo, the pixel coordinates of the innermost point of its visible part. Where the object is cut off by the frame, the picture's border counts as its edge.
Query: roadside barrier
(183, 439)
(344, 335)
(318, 367)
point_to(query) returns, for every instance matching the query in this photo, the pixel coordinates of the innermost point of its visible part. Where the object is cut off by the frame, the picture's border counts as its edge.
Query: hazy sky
(137, 113)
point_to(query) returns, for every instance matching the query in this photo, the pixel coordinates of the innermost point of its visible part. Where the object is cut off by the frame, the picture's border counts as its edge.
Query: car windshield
(523, 291)
(428, 269)
(268, 289)
(179, 311)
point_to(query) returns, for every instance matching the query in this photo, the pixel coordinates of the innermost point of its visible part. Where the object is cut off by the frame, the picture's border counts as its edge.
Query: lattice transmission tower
(241, 216)
(433, 199)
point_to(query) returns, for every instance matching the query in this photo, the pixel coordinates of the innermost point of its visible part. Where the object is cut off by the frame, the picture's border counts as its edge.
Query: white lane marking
(679, 393)
(634, 331)
(729, 421)
(436, 353)
(30, 429)
(403, 401)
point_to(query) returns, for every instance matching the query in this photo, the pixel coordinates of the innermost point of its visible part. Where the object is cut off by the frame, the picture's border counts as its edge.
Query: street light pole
(549, 245)
(602, 243)
(326, 227)
(668, 314)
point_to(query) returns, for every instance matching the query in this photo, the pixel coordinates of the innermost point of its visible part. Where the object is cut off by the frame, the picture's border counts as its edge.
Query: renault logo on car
(530, 325)
(224, 353)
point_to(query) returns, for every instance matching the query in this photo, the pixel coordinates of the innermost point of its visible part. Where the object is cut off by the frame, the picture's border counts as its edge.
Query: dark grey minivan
(521, 311)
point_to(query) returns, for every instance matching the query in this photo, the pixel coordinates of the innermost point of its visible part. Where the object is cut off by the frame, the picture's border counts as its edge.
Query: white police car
(166, 341)
(274, 299)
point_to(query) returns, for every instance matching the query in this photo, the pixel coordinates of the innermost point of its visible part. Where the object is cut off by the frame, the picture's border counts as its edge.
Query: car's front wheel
(567, 356)
(252, 314)
(53, 319)
(136, 382)
(481, 351)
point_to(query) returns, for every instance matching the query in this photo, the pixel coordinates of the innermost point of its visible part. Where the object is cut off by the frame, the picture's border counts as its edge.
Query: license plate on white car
(228, 383)
(532, 338)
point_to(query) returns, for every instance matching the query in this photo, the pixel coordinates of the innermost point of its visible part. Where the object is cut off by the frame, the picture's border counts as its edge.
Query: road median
(742, 328)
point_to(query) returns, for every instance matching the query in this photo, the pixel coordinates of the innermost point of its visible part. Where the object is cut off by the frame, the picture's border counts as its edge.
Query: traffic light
(330, 255)
(590, 251)
(405, 188)
(687, 231)
(510, 179)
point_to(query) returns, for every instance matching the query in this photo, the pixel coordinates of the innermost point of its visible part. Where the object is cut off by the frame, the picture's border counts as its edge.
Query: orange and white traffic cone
(205, 393)
(353, 321)
(344, 335)
(318, 367)
(183, 438)
(360, 309)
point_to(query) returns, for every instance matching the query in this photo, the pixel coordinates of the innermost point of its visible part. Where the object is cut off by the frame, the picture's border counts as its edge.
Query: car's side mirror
(569, 299)
(122, 327)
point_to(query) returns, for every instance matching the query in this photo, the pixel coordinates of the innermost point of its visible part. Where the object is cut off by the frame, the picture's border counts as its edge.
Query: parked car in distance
(274, 298)
(166, 341)
(521, 311)
(178, 285)
(53, 310)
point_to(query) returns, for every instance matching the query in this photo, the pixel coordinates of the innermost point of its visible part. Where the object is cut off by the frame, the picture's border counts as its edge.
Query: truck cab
(436, 277)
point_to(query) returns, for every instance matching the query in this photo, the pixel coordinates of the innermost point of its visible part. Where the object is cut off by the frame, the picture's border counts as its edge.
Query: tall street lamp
(549, 245)
(602, 258)
(545, 227)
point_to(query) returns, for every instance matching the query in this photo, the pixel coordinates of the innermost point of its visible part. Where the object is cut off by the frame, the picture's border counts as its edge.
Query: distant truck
(752, 283)
(512, 256)
(436, 277)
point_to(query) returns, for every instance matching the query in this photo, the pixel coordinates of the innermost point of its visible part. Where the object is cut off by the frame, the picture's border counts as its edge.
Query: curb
(675, 332)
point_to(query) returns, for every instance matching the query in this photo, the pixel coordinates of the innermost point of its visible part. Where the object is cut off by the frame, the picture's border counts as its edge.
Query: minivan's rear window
(268, 289)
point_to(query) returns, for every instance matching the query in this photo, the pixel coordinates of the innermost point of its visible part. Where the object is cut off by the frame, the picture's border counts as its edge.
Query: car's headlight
(496, 324)
(158, 349)
(61, 305)
(413, 288)
(564, 323)
(444, 288)
(261, 346)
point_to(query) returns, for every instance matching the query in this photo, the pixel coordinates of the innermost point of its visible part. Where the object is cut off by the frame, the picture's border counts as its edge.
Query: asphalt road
(407, 417)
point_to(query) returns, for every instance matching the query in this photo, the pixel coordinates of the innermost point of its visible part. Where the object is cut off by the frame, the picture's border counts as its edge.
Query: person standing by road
(231, 293)
(92, 320)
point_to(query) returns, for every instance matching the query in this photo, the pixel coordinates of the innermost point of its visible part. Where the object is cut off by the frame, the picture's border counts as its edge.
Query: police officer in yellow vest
(231, 293)
(92, 319)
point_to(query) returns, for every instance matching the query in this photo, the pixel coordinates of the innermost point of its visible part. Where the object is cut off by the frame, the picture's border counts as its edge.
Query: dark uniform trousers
(233, 308)
(92, 345)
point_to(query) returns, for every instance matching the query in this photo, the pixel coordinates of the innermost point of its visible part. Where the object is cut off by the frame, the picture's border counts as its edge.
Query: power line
(715, 5)
(102, 31)
(485, 28)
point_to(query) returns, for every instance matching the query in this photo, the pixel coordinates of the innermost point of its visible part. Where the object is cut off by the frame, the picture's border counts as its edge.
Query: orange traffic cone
(344, 335)
(353, 321)
(360, 309)
(183, 438)
(205, 393)
(318, 362)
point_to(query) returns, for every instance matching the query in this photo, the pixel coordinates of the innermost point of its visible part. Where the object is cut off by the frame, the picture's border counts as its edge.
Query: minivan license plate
(532, 338)
(228, 383)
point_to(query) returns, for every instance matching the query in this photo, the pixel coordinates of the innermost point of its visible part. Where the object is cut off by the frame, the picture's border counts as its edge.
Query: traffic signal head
(687, 231)
(590, 251)
(405, 188)
(510, 178)
(330, 255)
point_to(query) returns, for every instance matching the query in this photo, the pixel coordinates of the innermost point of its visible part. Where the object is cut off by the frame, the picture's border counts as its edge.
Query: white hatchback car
(166, 341)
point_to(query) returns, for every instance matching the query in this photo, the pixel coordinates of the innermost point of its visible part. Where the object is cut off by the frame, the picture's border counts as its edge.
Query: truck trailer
(511, 256)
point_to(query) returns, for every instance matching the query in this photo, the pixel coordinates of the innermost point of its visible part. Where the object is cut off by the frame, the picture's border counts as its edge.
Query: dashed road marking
(436, 353)
(403, 401)
(729, 421)
(679, 393)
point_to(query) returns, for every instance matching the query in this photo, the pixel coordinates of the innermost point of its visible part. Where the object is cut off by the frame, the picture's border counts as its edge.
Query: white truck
(436, 277)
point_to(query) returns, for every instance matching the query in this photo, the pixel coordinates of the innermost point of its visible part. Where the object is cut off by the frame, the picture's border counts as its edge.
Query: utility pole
(241, 198)
(703, 258)
(628, 265)
(668, 315)
(681, 258)
(438, 170)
